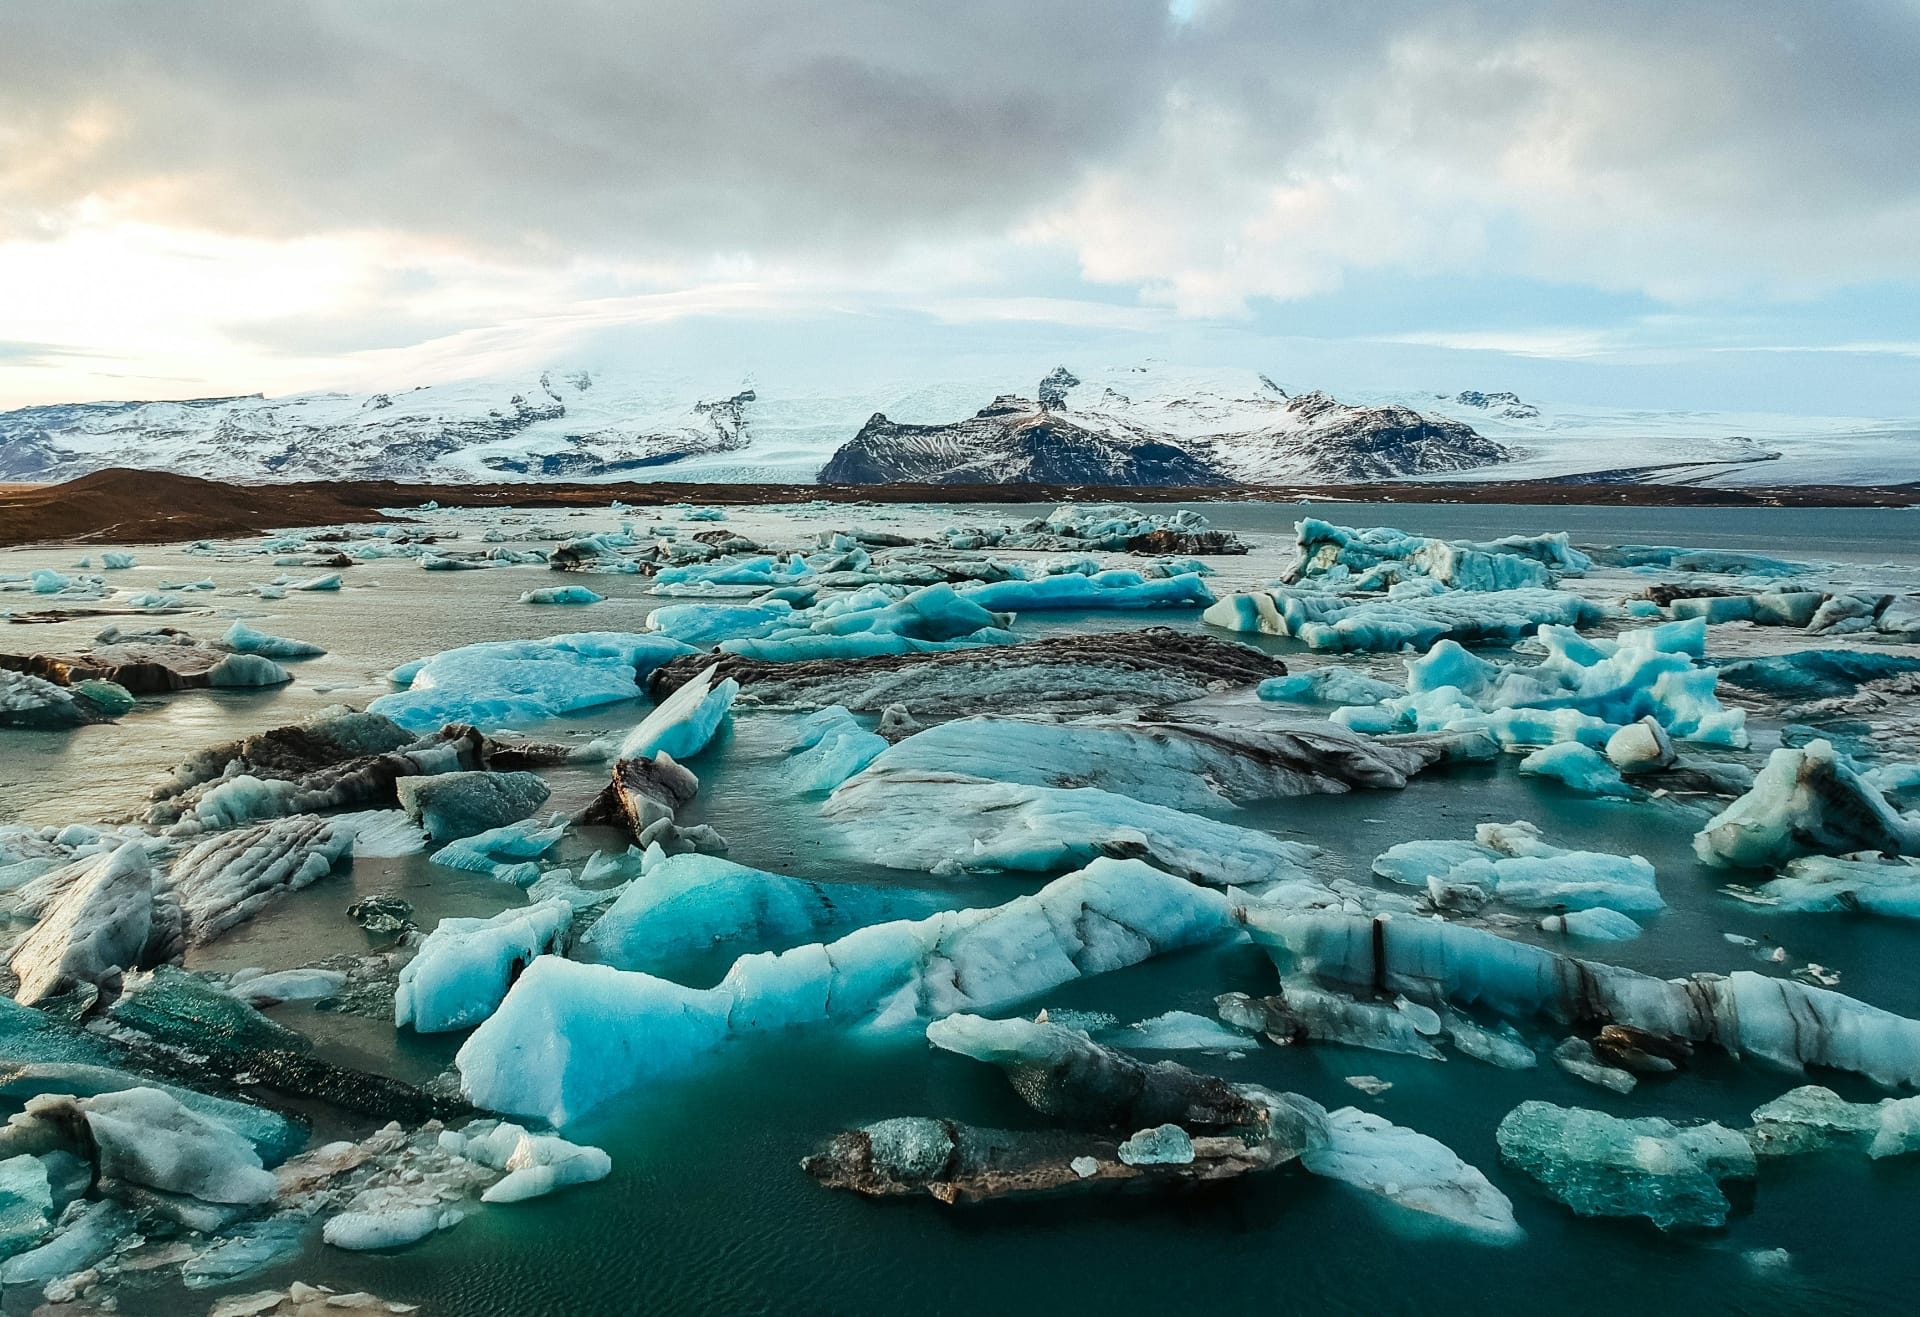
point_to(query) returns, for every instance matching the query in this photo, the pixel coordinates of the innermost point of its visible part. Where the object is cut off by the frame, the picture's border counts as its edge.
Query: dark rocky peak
(1053, 389)
(1008, 404)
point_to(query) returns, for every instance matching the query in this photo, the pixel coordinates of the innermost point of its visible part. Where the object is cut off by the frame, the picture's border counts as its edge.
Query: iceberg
(514, 682)
(682, 724)
(1822, 884)
(243, 639)
(1329, 686)
(535, 1164)
(1577, 768)
(687, 904)
(143, 1136)
(1596, 923)
(1413, 1172)
(950, 823)
(460, 804)
(99, 917)
(230, 877)
(506, 853)
(465, 966)
(1372, 558)
(834, 748)
(1335, 622)
(1601, 1165)
(569, 1035)
(1788, 1023)
(1180, 1031)
(1811, 1119)
(1806, 801)
(1109, 589)
(562, 594)
(1181, 765)
(708, 624)
(1514, 863)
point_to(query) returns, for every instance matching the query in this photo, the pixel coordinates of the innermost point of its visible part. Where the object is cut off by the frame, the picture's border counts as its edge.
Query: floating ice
(950, 823)
(243, 639)
(512, 682)
(1810, 1118)
(1601, 1165)
(1821, 884)
(506, 853)
(708, 624)
(1412, 1171)
(1577, 768)
(1184, 765)
(1330, 686)
(536, 1164)
(1513, 863)
(1376, 557)
(1180, 1031)
(1783, 1021)
(1806, 801)
(694, 903)
(230, 877)
(1338, 622)
(1110, 589)
(562, 594)
(569, 1036)
(683, 723)
(1163, 1145)
(835, 747)
(460, 804)
(1597, 924)
(465, 966)
(99, 916)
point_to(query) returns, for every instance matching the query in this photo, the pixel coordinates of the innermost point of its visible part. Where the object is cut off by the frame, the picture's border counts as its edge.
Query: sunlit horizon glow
(1618, 204)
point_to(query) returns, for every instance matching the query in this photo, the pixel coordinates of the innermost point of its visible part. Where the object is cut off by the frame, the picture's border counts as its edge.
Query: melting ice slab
(509, 683)
(569, 1036)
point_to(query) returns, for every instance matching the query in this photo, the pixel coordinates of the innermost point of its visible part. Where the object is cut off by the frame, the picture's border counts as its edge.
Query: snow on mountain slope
(1150, 423)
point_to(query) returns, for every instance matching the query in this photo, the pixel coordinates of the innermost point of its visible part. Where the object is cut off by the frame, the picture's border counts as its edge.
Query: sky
(1709, 204)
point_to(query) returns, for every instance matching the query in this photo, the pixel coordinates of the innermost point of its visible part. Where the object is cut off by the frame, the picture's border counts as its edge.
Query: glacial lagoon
(706, 1208)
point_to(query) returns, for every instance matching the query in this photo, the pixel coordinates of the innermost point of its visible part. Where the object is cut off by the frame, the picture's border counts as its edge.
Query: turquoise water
(707, 1210)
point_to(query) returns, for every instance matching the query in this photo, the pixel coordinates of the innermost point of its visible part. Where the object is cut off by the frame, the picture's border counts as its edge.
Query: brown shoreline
(121, 506)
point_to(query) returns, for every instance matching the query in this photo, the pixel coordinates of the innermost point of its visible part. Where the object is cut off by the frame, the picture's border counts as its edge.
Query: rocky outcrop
(1012, 441)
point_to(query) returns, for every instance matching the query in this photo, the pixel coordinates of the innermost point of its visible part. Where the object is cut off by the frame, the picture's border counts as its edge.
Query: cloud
(256, 193)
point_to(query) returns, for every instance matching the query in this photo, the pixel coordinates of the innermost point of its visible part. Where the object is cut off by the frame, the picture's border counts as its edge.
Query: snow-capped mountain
(1143, 424)
(1159, 427)
(553, 424)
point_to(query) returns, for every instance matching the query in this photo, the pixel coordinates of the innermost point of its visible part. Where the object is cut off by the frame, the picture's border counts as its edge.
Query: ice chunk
(708, 624)
(114, 560)
(247, 670)
(1780, 1020)
(1597, 923)
(230, 877)
(514, 682)
(1806, 801)
(1180, 1031)
(1578, 768)
(1414, 1172)
(382, 833)
(1811, 1118)
(1601, 1165)
(243, 639)
(1299, 1014)
(460, 804)
(536, 1164)
(569, 1036)
(1163, 1145)
(1111, 589)
(1329, 685)
(288, 985)
(683, 723)
(1183, 765)
(562, 594)
(1820, 884)
(1641, 747)
(86, 1235)
(101, 916)
(144, 1136)
(946, 823)
(1512, 862)
(505, 853)
(693, 903)
(836, 747)
(26, 1204)
(465, 966)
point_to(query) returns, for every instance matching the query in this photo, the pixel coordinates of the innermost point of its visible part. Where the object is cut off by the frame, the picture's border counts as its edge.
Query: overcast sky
(1701, 203)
